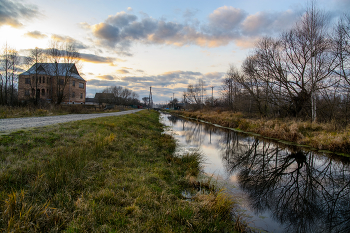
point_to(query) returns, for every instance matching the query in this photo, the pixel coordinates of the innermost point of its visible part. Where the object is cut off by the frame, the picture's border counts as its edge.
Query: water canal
(279, 188)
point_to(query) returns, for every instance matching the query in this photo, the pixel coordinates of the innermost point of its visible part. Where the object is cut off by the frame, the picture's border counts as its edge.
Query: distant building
(54, 82)
(104, 98)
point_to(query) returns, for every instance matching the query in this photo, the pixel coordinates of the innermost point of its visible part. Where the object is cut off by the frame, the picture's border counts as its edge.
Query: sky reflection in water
(282, 190)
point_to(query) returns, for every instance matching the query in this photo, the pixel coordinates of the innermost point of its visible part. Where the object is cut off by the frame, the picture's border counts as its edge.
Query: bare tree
(122, 95)
(9, 61)
(232, 85)
(307, 59)
(342, 50)
(14, 61)
(145, 100)
(63, 55)
(34, 58)
(5, 70)
(195, 93)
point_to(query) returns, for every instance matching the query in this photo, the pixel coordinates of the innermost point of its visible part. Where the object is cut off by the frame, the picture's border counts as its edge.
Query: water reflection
(304, 191)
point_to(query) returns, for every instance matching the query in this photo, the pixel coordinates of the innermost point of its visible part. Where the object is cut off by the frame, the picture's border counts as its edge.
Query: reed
(324, 136)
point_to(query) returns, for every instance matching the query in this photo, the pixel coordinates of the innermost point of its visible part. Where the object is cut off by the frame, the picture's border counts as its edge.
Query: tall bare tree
(307, 57)
(5, 71)
(14, 62)
(66, 55)
(34, 58)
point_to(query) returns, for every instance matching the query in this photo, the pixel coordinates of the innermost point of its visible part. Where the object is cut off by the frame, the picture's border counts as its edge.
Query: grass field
(324, 136)
(112, 174)
(52, 110)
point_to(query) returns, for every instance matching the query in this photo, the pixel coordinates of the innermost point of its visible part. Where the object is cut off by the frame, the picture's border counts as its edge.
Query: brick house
(53, 82)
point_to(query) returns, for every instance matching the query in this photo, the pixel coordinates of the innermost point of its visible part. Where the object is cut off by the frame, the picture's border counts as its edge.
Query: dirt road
(13, 124)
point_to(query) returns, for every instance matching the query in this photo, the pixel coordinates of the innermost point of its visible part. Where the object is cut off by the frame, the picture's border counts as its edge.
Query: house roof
(92, 100)
(104, 96)
(63, 69)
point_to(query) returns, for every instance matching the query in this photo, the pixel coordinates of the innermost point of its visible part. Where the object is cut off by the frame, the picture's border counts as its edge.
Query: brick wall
(50, 88)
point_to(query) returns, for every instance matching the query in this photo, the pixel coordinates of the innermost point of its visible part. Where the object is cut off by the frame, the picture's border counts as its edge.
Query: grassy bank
(320, 136)
(113, 174)
(50, 110)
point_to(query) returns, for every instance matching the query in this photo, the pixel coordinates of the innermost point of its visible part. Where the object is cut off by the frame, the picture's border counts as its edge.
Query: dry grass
(51, 110)
(112, 174)
(320, 136)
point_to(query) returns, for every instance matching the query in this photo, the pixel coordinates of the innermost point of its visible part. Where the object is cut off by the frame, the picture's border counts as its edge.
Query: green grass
(112, 174)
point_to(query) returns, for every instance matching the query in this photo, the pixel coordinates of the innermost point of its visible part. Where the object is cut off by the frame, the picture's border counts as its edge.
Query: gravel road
(13, 124)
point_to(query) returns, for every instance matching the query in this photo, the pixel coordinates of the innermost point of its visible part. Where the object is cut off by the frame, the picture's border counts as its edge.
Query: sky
(164, 44)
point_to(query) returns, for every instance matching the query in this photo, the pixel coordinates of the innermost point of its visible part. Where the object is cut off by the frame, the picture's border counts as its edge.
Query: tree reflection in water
(304, 191)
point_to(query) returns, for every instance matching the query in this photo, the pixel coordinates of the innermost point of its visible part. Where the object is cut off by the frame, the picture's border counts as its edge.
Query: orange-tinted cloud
(123, 71)
(106, 77)
(35, 35)
(225, 25)
(92, 58)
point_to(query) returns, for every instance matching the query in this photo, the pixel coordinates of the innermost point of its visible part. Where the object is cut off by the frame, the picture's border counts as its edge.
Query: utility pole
(184, 102)
(150, 100)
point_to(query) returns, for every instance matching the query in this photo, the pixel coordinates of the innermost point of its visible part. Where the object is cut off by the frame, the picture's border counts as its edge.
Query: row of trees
(304, 73)
(119, 96)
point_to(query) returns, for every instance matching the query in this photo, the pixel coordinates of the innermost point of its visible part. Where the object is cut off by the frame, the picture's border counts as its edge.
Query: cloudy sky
(163, 44)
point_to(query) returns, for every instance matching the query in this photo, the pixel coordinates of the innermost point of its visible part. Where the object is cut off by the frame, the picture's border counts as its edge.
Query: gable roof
(51, 68)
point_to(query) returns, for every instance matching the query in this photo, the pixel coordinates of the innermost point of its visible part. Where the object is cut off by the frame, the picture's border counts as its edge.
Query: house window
(61, 82)
(47, 80)
(43, 92)
(27, 81)
(43, 79)
(27, 92)
(81, 85)
(73, 95)
(81, 95)
(73, 83)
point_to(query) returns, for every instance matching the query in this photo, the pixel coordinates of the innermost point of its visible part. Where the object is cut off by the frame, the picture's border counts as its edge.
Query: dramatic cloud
(227, 18)
(106, 77)
(68, 39)
(266, 22)
(35, 35)
(104, 83)
(121, 19)
(164, 80)
(92, 58)
(12, 13)
(226, 24)
(213, 75)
